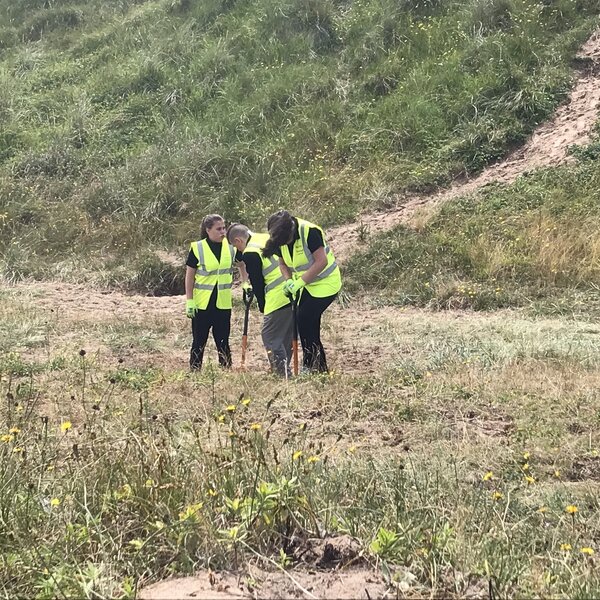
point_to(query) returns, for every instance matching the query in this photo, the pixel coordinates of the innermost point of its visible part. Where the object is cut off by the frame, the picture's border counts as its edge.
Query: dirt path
(572, 123)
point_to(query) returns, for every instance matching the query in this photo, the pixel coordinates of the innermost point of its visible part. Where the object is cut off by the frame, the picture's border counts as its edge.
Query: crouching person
(267, 285)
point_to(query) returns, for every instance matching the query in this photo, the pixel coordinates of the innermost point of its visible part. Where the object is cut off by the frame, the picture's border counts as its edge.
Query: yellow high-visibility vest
(211, 273)
(329, 280)
(274, 280)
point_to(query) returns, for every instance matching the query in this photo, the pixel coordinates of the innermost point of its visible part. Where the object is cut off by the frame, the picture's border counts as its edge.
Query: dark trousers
(220, 321)
(310, 310)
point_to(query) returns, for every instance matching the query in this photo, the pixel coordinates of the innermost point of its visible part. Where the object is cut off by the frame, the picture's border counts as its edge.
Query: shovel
(295, 334)
(247, 303)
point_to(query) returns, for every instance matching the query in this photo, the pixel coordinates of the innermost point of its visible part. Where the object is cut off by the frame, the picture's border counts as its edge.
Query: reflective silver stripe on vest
(274, 265)
(274, 284)
(310, 257)
(203, 286)
(224, 286)
(328, 271)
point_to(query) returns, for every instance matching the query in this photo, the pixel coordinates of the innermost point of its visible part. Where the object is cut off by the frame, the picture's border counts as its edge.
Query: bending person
(312, 276)
(268, 288)
(208, 279)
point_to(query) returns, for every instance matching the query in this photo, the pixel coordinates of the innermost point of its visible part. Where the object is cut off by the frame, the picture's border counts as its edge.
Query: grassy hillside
(123, 123)
(534, 243)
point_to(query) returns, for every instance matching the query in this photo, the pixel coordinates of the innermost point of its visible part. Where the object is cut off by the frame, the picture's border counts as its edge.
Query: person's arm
(190, 278)
(253, 266)
(285, 270)
(320, 262)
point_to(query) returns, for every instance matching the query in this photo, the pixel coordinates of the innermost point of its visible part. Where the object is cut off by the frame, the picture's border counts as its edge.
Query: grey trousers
(277, 333)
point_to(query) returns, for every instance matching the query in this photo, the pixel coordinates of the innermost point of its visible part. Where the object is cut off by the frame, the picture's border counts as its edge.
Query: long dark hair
(280, 227)
(207, 223)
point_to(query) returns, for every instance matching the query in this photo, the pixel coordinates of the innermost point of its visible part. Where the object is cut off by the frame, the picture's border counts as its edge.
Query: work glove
(190, 309)
(293, 286)
(247, 292)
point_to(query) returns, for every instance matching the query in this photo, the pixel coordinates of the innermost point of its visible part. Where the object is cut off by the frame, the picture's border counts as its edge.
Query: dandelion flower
(525, 467)
(571, 509)
(566, 547)
(64, 427)
(55, 502)
(14, 430)
(297, 454)
(588, 551)
(211, 492)
(255, 426)
(17, 449)
(557, 474)
(489, 475)
(542, 509)
(352, 449)
(526, 455)
(246, 401)
(7, 437)
(231, 408)
(529, 479)
(149, 483)
(313, 459)
(497, 495)
(221, 418)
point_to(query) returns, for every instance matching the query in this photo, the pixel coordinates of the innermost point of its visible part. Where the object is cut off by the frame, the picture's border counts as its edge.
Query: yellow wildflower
(529, 479)
(557, 474)
(65, 426)
(313, 459)
(297, 454)
(489, 475)
(525, 467)
(352, 449)
(14, 430)
(542, 509)
(571, 509)
(211, 492)
(588, 551)
(526, 455)
(221, 418)
(255, 426)
(246, 401)
(149, 483)
(231, 408)
(19, 408)
(7, 437)
(55, 502)
(566, 547)
(497, 495)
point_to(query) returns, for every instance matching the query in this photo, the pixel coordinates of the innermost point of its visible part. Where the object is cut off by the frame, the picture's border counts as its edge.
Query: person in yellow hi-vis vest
(312, 277)
(267, 286)
(208, 279)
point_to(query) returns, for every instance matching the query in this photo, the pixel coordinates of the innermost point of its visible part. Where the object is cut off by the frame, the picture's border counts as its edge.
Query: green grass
(532, 244)
(123, 124)
(424, 461)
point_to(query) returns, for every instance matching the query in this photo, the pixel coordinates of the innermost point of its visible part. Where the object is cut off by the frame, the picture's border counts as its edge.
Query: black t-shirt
(253, 263)
(192, 262)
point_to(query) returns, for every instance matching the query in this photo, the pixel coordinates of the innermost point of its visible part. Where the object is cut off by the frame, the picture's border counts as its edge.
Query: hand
(190, 309)
(248, 292)
(292, 286)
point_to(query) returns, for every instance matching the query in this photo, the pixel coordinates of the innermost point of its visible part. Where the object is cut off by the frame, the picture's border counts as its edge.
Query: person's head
(213, 228)
(281, 229)
(237, 236)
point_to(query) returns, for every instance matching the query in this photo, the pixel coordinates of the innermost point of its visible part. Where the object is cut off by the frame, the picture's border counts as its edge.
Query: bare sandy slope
(572, 124)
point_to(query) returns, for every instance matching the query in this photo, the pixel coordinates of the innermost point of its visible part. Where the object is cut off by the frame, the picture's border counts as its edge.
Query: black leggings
(310, 310)
(220, 321)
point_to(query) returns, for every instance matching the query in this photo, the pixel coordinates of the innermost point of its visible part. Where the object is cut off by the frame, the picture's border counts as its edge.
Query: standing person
(312, 276)
(268, 288)
(208, 279)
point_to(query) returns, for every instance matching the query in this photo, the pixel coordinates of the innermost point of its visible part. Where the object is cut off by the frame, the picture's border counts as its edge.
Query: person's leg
(221, 328)
(200, 328)
(310, 310)
(277, 331)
